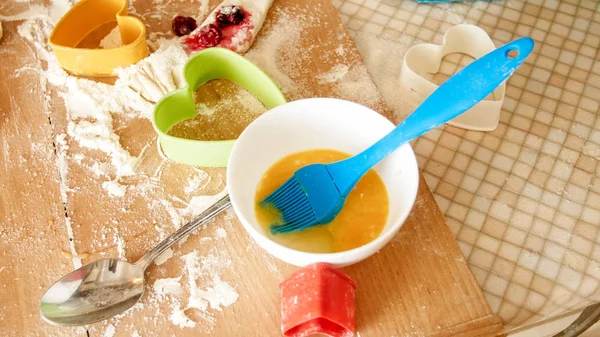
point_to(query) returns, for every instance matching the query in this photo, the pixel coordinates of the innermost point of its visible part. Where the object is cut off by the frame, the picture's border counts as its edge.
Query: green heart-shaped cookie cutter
(177, 106)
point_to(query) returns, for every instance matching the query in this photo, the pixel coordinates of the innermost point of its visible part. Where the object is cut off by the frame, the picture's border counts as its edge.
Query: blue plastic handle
(458, 94)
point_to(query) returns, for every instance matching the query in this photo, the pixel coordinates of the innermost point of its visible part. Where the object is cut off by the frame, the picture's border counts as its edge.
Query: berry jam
(229, 15)
(183, 25)
(207, 36)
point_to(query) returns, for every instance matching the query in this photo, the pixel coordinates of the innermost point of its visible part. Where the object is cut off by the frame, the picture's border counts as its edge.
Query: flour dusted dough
(158, 74)
(244, 36)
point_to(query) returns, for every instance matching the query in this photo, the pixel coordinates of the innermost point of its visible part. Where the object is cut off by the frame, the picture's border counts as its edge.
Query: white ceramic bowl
(318, 123)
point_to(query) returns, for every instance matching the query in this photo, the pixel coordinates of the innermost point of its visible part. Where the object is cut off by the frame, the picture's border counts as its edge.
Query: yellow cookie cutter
(85, 17)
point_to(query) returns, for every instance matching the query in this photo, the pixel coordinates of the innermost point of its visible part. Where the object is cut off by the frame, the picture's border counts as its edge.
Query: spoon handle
(183, 231)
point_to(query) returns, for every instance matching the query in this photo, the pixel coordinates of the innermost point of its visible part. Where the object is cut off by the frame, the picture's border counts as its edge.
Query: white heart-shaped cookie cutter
(427, 58)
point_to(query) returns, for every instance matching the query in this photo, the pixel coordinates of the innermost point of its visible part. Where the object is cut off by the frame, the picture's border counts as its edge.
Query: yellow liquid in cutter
(361, 220)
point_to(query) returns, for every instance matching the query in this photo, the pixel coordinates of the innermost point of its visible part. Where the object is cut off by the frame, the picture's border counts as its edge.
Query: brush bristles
(296, 211)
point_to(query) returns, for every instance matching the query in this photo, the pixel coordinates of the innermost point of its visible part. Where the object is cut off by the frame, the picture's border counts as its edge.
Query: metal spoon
(108, 287)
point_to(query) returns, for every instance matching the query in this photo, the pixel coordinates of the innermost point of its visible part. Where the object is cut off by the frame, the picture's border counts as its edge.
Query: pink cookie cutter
(318, 299)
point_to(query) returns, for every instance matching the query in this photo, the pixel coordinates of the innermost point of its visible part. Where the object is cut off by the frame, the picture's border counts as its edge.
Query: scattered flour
(194, 296)
(91, 124)
(112, 40)
(91, 104)
(34, 11)
(114, 188)
(167, 286)
(172, 211)
(120, 246)
(220, 294)
(266, 51)
(194, 207)
(279, 54)
(200, 203)
(36, 28)
(335, 74)
(376, 53)
(179, 318)
(358, 86)
(340, 50)
(204, 10)
(63, 170)
(110, 331)
(162, 258)
(199, 181)
(221, 233)
(270, 262)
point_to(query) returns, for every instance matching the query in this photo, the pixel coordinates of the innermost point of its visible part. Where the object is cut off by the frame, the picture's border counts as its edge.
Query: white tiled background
(523, 200)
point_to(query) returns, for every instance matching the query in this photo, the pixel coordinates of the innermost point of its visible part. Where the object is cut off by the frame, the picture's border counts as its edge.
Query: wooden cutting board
(418, 285)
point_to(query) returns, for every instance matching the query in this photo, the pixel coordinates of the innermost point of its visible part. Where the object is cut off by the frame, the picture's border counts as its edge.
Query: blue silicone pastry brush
(316, 193)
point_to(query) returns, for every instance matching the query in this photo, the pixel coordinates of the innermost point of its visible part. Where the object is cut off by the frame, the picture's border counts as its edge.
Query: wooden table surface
(418, 285)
